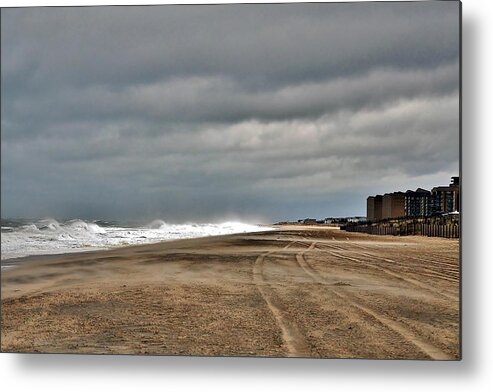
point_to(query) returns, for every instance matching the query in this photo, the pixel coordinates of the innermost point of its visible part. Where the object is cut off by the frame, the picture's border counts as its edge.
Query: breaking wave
(48, 236)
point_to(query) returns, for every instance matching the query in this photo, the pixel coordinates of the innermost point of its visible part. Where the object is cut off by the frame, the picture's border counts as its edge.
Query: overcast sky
(204, 113)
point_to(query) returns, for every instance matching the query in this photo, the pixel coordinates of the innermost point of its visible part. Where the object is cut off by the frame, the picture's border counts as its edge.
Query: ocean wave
(156, 224)
(49, 236)
(80, 225)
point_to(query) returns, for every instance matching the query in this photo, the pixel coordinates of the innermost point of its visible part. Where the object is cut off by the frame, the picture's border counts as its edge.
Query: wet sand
(296, 292)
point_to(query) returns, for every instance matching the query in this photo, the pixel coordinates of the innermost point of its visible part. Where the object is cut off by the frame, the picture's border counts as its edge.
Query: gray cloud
(203, 112)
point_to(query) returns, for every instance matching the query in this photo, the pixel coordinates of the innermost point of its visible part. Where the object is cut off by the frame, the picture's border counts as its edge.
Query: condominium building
(446, 198)
(393, 205)
(418, 203)
(374, 208)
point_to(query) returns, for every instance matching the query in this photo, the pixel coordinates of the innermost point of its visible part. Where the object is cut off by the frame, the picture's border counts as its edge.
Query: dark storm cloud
(270, 43)
(198, 112)
(217, 100)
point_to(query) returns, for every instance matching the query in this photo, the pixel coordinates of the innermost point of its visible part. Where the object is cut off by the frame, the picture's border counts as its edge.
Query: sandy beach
(295, 292)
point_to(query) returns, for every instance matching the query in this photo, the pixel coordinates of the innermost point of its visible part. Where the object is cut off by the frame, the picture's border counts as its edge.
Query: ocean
(22, 237)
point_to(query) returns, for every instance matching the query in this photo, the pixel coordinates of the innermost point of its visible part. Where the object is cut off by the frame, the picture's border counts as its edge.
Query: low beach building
(309, 221)
(356, 219)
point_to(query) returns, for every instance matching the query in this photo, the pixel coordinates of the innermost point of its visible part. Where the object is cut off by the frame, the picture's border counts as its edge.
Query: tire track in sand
(427, 348)
(445, 258)
(407, 268)
(389, 272)
(451, 273)
(403, 275)
(293, 339)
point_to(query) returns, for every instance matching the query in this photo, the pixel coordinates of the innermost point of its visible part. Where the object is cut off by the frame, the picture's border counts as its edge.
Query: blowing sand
(295, 292)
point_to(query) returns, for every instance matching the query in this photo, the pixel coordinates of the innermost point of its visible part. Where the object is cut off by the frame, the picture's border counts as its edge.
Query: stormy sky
(205, 113)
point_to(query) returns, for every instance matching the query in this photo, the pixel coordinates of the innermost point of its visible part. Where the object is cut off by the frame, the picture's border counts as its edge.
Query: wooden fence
(447, 227)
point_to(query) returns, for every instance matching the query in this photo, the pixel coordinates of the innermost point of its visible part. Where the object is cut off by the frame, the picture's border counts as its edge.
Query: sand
(296, 292)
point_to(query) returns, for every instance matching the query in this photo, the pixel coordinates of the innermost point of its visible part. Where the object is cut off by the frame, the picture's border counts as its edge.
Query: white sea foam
(49, 236)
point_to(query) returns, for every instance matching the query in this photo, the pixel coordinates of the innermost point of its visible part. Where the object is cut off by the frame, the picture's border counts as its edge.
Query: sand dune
(299, 291)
